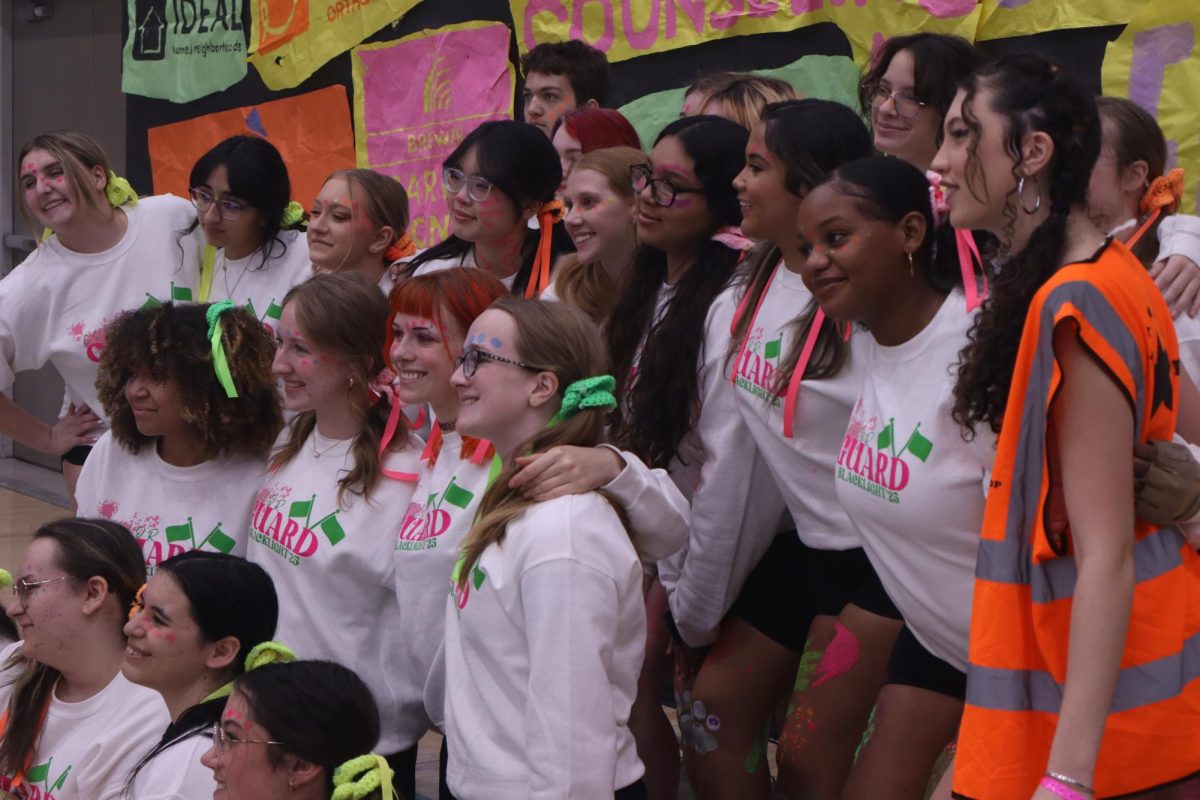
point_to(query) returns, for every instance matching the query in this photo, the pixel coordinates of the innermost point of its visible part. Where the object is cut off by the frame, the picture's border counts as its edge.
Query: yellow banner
(1156, 63)
(292, 39)
(626, 29)
(1001, 18)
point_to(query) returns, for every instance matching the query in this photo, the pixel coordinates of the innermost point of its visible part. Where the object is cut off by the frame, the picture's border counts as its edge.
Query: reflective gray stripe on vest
(1010, 560)
(1035, 690)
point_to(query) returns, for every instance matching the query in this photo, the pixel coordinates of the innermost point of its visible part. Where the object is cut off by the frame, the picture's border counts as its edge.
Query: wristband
(1069, 781)
(1060, 789)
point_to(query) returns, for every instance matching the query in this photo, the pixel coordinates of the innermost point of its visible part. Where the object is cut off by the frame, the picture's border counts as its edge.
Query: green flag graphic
(478, 577)
(918, 445)
(300, 508)
(181, 294)
(455, 495)
(274, 311)
(332, 529)
(771, 348)
(180, 533)
(38, 773)
(221, 541)
(885, 436)
(250, 307)
(151, 301)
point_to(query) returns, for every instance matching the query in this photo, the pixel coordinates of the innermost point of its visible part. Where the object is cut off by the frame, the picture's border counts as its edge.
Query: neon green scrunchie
(119, 192)
(360, 776)
(269, 653)
(293, 215)
(594, 392)
(6, 579)
(220, 363)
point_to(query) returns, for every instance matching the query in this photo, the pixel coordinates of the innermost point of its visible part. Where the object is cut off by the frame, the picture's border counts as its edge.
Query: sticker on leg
(696, 725)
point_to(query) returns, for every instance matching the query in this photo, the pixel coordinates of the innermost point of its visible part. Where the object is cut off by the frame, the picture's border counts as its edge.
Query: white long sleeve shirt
(542, 655)
(55, 305)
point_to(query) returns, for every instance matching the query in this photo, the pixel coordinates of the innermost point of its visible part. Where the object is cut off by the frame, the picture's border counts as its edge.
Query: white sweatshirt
(912, 486)
(332, 567)
(87, 749)
(258, 286)
(800, 465)
(467, 259)
(441, 513)
(542, 655)
(176, 772)
(736, 507)
(171, 509)
(55, 305)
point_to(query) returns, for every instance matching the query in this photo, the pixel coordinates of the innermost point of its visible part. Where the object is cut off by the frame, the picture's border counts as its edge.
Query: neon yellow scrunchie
(293, 215)
(119, 192)
(220, 363)
(360, 776)
(596, 392)
(269, 653)
(6, 579)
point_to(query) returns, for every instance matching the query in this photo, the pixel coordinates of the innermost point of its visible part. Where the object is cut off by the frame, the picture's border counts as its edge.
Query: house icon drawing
(150, 37)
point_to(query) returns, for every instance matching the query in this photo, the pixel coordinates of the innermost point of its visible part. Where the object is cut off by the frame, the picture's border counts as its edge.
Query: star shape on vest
(1162, 381)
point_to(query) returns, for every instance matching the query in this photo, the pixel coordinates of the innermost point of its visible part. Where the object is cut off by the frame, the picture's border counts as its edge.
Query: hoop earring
(911, 272)
(1021, 196)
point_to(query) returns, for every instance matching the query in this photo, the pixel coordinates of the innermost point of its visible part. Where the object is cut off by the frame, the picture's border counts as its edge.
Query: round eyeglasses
(226, 209)
(478, 187)
(469, 362)
(906, 103)
(223, 740)
(662, 190)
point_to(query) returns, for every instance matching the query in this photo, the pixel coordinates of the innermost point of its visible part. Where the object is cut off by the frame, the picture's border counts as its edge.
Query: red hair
(598, 128)
(463, 292)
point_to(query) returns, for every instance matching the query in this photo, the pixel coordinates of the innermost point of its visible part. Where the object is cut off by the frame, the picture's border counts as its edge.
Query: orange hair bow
(1165, 192)
(401, 248)
(548, 216)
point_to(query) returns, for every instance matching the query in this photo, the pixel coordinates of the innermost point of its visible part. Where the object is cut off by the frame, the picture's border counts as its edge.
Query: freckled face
(312, 379)
(165, 650)
(339, 230)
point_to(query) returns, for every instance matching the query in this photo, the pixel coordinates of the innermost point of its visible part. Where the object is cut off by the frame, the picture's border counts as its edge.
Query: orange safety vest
(1024, 584)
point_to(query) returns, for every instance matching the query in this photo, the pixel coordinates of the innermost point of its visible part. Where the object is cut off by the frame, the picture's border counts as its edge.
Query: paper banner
(181, 50)
(1001, 18)
(417, 97)
(626, 29)
(311, 131)
(292, 39)
(822, 77)
(1156, 63)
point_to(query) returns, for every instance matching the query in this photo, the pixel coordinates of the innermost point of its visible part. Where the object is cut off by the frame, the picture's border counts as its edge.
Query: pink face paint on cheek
(171, 637)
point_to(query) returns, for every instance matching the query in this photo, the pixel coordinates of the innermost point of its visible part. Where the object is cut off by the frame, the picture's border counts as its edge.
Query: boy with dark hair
(560, 76)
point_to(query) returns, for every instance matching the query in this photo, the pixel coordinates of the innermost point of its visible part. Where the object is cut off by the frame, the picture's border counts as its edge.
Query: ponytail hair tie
(268, 653)
(136, 605)
(732, 237)
(594, 392)
(358, 777)
(293, 215)
(937, 198)
(401, 248)
(118, 191)
(548, 215)
(6, 580)
(1163, 197)
(220, 363)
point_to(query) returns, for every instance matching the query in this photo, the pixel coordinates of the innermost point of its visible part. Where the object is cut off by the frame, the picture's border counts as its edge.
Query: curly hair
(1034, 94)
(171, 343)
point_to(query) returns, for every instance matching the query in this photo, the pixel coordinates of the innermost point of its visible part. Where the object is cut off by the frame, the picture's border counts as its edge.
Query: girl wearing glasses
(669, 338)
(190, 424)
(501, 176)
(599, 199)
(545, 626)
(358, 223)
(256, 246)
(190, 631)
(302, 730)
(324, 522)
(101, 251)
(73, 725)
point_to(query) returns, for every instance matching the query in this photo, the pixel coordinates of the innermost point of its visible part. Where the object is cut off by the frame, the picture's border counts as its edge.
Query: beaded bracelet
(1061, 789)
(1069, 781)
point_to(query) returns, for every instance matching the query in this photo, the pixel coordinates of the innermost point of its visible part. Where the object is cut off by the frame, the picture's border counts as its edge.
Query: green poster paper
(182, 50)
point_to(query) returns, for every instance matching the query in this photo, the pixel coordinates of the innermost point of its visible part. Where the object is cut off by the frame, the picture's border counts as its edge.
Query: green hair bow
(596, 392)
(359, 777)
(293, 215)
(119, 192)
(220, 363)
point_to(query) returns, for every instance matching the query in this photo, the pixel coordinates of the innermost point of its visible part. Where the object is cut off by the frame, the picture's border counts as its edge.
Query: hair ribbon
(220, 362)
(403, 247)
(548, 215)
(118, 191)
(595, 392)
(968, 251)
(293, 215)
(1165, 192)
(357, 778)
(384, 385)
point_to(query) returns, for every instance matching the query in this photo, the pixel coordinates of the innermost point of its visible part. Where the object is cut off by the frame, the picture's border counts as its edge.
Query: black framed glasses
(469, 361)
(662, 190)
(223, 740)
(226, 208)
(24, 588)
(906, 103)
(478, 187)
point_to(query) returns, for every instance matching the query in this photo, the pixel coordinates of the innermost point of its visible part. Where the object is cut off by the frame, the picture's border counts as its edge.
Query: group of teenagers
(874, 435)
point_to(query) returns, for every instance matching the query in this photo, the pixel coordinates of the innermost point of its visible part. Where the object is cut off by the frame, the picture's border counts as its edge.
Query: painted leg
(842, 671)
(744, 678)
(656, 743)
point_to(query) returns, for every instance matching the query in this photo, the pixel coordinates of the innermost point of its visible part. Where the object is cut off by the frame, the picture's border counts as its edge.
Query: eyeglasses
(227, 209)
(478, 187)
(662, 190)
(222, 740)
(469, 361)
(24, 588)
(906, 103)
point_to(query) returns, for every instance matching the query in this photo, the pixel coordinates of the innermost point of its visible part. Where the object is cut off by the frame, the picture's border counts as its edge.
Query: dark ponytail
(1034, 95)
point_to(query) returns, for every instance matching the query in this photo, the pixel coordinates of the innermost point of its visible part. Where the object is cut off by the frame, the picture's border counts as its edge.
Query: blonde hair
(78, 154)
(387, 202)
(562, 339)
(744, 95)
(588, 286)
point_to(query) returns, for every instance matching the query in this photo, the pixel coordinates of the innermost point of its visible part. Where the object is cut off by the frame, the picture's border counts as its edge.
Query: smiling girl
(502, 175)
(106, 252)
(188, 447)
(256, 247)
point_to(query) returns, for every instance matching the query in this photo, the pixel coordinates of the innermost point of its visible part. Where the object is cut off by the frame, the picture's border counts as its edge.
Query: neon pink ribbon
(968, 257)
(793, 387)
